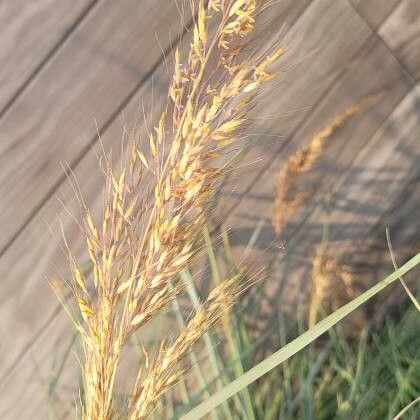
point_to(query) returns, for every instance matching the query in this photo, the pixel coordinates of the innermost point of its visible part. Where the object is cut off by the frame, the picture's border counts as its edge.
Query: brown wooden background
(72, 67)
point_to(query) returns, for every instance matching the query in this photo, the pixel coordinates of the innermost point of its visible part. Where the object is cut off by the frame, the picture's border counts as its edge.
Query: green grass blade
(237, 342)
(232, 343)
(406, 409)
(316, 367)
(52, 413)
(402, 281)
(194, 360)
(296, 345)
(211, 256)
(361, 357)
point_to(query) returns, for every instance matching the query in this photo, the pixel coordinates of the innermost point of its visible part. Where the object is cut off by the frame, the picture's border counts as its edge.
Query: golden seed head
(148, 232)
(287, 200)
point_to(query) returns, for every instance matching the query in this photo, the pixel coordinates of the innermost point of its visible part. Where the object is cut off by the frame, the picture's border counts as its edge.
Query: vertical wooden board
(103, 63)
(29, 32)
(401, 32)
(46, 259)
(375, 11)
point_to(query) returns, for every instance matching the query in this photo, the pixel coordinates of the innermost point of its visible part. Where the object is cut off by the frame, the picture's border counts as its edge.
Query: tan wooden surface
(109, 63)
(374, 11)
(363, 194)
(330, 54)
(401, 33)
(30, 33)
(103, 64)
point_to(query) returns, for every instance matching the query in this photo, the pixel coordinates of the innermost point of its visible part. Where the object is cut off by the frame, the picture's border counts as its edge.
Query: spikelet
(166, 371)
(148, 232)
(287, 200)
(333, 285)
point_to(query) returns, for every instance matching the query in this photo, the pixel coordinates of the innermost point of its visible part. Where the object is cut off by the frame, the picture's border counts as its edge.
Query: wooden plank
(46, 259)
(401, 32)
(361, 79)
(30, 33)
(93, 77)
(343, 146)
(374, 11)
(366, 195)
(326, 41)
(363, 196)
(25, 396)
(380, 172)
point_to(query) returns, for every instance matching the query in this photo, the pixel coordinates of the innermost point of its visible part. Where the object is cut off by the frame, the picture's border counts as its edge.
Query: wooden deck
(75, 67)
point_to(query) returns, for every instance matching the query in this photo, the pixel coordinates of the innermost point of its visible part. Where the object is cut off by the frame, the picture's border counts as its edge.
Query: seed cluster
(287, 199)
(328, 274)
(148, 232)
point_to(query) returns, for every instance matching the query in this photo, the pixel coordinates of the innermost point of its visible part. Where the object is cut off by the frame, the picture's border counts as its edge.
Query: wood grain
(361, 199)
(383, 168)
(108, 57)
(401, 32)
(104, 63)
(326, 41)
(30, 32)
(360, 80)
(26, 394)
(342, 147)
(365, 196)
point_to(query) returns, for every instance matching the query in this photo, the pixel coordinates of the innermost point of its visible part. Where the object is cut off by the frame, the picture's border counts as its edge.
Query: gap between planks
(48, 57)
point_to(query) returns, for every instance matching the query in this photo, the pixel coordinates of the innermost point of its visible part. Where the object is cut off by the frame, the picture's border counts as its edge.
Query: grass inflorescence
(288, 199)
(148, 231)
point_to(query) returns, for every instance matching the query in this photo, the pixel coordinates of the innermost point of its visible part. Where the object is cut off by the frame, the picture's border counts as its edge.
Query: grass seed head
(148, 232)
(287, 199)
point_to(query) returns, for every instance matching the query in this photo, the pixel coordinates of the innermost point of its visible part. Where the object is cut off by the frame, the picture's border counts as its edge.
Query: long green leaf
(296, 345)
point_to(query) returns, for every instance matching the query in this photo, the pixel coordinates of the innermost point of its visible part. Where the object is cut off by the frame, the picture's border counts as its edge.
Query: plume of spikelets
(166, 370)
(287, 199)
(147, 233)
(333, 285)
